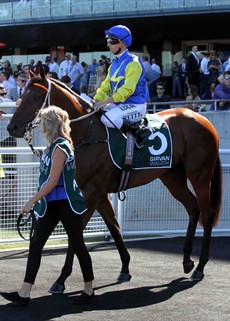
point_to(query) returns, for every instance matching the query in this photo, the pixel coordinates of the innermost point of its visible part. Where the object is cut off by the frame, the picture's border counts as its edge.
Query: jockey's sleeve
(132, 75)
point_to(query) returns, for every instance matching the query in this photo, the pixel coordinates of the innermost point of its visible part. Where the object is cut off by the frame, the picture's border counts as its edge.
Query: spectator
(4, 80)
(67, 81)
(204, 79)
(75, 71)
(222, 91)
(9, 70)
(3, 95)
(54, 67)
(84, 93)
(38, 67)
(7, 141)
(182, 74)
(27, 69)
(52, 74)
(16, 93)
(101, 75)
(156, 67)
(46, 65)
(105, 62)
(64, 65)
(192, 96)
(151, 75)
(85, 77)
(213, 67)
(192, 68)
(161, 97)
(31, 64)
(176, 81)
(92, 68)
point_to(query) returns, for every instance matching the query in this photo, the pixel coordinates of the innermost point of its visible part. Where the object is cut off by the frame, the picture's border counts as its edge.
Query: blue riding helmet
(121, 32)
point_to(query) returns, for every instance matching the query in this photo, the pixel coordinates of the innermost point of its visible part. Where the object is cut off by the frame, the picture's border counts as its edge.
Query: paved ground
(158, 291)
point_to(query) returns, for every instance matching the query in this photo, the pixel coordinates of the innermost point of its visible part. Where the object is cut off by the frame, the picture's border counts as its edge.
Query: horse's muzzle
(16, 131)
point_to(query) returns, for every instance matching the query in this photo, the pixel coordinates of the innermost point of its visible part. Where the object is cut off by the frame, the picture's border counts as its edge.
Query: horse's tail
(216, 191)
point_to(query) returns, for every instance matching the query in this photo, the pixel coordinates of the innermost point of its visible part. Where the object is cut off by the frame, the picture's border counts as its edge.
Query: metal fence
(147, 210)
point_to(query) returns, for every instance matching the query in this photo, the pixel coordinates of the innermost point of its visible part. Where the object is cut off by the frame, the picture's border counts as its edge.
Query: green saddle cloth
(157, 152)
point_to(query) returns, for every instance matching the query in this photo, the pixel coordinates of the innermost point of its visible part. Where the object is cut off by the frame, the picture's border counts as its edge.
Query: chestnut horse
(195, 145)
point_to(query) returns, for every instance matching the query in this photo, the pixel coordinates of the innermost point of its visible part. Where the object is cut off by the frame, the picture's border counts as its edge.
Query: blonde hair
(55, 123)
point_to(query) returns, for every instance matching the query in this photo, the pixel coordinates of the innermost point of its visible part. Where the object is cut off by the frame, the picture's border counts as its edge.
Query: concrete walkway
(158, 290)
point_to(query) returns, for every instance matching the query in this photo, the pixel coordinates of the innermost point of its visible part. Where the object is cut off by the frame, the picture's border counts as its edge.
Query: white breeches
(116, 114)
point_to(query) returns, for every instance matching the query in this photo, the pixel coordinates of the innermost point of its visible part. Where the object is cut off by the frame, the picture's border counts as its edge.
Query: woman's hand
(26, 207)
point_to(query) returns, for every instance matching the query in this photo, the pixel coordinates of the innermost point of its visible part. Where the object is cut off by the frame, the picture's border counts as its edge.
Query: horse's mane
(84, 103)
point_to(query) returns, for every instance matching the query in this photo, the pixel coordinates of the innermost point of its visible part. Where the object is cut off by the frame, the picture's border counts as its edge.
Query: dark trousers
(58, 211)
(205, 92)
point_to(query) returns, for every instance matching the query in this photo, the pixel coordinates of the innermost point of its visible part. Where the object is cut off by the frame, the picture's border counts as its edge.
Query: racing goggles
(227, 77)
(112, 41)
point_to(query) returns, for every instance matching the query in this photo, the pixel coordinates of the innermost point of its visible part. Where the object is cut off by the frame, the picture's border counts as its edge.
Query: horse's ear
(32, 74)
(42, 74)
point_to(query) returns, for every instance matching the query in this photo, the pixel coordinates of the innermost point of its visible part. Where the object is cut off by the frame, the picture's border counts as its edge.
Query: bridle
(35, 122)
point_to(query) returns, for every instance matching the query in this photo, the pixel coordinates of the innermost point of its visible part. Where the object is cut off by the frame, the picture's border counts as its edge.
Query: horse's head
(42, 92)
(32, 101)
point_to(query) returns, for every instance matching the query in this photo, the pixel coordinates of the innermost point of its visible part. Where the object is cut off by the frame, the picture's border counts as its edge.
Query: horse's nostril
(12, 129)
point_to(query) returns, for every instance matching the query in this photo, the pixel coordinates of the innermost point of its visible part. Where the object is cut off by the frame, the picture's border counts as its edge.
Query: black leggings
(58, 211)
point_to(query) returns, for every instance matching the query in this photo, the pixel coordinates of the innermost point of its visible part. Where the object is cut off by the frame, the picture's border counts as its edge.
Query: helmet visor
(112, 40)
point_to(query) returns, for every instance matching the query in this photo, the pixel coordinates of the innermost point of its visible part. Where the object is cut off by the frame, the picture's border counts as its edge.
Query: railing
(147, 210)
(16, 11)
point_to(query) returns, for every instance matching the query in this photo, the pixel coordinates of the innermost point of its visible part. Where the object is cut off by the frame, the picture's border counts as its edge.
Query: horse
(195, 158)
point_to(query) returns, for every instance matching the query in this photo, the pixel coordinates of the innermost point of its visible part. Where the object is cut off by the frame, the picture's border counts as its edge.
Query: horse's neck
(64, 99)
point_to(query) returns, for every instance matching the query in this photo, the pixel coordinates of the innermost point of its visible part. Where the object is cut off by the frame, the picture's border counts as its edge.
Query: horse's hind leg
(176, 182)
(59, 285)
(207, 185)
(203, 190)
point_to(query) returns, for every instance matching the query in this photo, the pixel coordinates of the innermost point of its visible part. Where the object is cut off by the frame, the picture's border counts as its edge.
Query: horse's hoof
(188, 267)
(123, 277)
(197, 276)
(57, 288)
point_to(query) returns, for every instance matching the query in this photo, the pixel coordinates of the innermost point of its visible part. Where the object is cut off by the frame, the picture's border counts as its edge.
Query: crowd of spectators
(14, 78)
(199, 76)
(201, 71)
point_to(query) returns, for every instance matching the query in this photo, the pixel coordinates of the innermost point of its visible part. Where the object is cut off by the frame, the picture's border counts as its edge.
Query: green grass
(64, 242)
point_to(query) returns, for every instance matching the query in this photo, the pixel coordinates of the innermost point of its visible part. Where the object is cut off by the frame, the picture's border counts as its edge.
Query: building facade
(164, 29)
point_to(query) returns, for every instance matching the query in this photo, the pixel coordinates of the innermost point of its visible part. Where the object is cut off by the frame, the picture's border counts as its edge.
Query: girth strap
(127, 166)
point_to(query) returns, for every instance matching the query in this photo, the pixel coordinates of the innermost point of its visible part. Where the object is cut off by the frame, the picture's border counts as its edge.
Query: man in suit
(15, 93)
(193, 68)
(182, 74)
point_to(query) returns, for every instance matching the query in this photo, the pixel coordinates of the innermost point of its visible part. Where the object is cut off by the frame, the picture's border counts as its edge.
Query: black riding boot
(140, 131)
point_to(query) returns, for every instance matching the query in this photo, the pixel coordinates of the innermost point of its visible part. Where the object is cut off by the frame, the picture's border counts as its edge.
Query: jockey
(123, 94)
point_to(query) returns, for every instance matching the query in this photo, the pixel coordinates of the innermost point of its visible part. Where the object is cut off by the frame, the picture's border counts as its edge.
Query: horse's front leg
(59, 285)
(106, 210)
